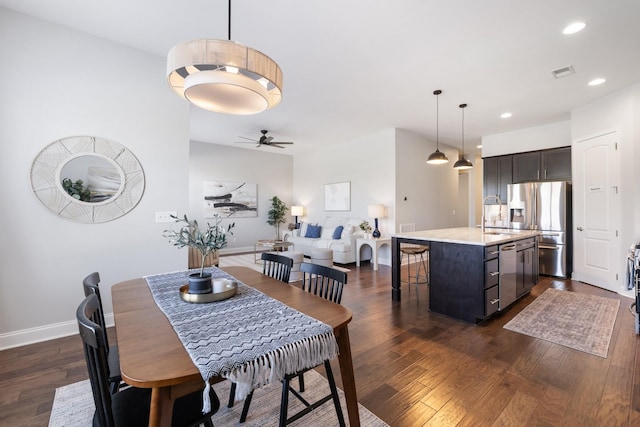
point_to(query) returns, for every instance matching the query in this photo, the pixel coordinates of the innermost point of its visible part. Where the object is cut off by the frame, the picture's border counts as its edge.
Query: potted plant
(364, 226)
(206, 241)
(277, 214)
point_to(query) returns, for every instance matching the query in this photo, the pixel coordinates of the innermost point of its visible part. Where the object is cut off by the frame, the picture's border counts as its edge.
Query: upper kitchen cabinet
(497, 174)
(556, 164)
(547, 165)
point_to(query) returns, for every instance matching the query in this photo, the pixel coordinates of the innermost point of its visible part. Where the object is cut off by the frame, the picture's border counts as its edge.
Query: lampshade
(462, 163)
(297, 210)
(437, 157)
(224, 76)
(376, 211)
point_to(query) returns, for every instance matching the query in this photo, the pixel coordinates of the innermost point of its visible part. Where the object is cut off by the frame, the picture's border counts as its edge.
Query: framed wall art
(230, 199)
(337, 196)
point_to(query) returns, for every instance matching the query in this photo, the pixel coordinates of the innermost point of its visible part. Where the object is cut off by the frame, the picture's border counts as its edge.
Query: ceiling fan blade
(280, 142)
(275, 145)
(246, 142)
(250, 139)
(267, 140)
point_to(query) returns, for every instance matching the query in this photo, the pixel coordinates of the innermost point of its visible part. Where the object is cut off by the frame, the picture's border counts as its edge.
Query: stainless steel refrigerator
(545, 206)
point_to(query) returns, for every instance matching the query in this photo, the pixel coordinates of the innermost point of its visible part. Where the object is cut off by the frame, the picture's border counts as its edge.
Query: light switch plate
(165, 216)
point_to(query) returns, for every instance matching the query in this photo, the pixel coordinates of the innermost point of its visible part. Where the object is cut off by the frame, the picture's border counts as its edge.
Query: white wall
(367, 163)
(60, 83)
(530, 139)
(426, 195)
(272, 172)
(618, 112)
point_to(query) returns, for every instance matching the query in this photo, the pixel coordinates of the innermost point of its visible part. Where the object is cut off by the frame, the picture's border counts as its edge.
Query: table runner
(250, 339)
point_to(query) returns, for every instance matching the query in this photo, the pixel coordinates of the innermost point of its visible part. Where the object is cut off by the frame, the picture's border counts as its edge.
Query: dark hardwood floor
(416, 368)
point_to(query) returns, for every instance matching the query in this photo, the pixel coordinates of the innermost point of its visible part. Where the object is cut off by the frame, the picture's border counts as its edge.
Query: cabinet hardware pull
(494, 301)
(580, 228)
(494, 252)
(494, 273)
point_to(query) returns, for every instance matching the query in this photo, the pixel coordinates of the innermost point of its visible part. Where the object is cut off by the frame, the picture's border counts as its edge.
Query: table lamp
(297, 211)
(375, 212)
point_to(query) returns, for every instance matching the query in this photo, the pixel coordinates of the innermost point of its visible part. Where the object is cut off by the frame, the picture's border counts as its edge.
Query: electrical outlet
(165, 216)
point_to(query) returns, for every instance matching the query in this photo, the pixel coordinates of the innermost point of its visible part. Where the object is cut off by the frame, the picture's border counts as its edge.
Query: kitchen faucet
(483, 204)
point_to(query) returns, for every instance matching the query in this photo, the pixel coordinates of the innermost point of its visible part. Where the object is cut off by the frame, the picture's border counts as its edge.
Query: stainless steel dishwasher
(508, 270)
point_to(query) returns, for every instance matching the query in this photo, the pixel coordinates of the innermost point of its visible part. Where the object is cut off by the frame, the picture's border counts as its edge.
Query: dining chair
(128, 407)
(323, 281)
(327, 283)
(277, 266)
(91, 286)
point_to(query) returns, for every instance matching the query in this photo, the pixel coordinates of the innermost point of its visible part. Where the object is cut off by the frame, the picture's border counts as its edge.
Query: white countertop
(470, 235)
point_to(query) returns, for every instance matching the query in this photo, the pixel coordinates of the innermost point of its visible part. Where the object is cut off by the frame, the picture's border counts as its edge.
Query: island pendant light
(462, 163)
(437, 157)
(224, 76)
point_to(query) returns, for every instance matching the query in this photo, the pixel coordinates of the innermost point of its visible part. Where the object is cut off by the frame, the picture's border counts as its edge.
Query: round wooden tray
(232, 288)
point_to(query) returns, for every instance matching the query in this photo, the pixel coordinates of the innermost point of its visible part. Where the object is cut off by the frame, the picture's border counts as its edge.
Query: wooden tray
(232, 288)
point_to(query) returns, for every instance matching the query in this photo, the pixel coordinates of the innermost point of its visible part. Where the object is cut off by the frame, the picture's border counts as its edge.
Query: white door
(596, 212)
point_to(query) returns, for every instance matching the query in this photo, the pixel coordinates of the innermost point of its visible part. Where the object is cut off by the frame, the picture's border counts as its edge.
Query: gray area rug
(578, 321)
(73, 406)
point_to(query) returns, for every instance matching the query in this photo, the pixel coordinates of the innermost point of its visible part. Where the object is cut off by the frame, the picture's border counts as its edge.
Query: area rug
(73, 406)
(247, 260)
(578, 321)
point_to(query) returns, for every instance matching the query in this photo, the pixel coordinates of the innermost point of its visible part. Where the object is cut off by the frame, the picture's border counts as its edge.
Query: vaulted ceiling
(352, 68)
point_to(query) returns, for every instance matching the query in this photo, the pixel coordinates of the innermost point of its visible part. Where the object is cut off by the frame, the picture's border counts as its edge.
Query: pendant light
(462, 163)
(437, 157)
(224, 76)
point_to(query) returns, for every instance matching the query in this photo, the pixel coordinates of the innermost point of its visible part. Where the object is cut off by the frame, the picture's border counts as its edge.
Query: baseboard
(43, 333)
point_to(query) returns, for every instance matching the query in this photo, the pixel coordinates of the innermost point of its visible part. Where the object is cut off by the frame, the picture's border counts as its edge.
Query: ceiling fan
(264, 140)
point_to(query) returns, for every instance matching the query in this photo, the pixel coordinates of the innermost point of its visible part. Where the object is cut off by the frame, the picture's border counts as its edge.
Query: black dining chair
(128, 407)
(91, 286)
(327, 283)
(278, 267)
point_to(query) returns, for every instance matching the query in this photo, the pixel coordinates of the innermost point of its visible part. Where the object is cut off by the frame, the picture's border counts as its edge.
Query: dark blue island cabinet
(472, 275)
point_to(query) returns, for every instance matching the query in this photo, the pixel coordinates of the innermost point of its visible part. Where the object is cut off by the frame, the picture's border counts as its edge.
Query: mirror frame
(47, 184)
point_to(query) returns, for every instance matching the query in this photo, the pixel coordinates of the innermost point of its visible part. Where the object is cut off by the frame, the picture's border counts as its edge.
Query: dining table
(152, 355)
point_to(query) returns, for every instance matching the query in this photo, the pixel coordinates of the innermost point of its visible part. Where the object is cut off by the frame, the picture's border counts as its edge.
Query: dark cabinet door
(525, 271)
(490, 176)
(526, 167)
(497, 174)
(505, 176)
(556, 164)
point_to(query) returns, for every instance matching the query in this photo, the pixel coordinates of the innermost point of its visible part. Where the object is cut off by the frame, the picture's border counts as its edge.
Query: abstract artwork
(337, 196)
(230, 199)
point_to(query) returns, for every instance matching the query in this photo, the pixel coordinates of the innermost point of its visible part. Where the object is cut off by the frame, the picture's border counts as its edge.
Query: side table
(374, 244)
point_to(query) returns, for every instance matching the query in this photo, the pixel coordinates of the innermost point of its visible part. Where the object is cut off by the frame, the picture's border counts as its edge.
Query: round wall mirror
(87, 179)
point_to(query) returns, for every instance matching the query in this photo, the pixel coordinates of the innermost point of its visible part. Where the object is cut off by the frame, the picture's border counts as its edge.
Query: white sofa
(344, 248)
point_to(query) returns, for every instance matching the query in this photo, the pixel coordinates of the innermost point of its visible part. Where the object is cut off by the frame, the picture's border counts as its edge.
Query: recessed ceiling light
(596, 82)
(574, 28)
(505, 115)
(479, 146)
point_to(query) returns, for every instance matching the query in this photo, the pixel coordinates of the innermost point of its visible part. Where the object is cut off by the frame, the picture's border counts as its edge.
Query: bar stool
(415, 255)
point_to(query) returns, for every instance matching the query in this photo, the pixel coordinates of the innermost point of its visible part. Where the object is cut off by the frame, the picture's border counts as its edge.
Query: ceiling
(354, 68)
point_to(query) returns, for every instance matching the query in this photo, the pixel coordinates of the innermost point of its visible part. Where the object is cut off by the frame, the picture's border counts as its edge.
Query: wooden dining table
(152, 355)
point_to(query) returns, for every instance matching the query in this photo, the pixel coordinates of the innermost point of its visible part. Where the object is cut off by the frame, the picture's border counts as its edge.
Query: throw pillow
(313, 231)
(337, 233)
(348, 231)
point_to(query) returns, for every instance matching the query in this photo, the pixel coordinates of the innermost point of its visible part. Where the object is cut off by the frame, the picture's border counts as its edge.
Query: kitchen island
(472, 273)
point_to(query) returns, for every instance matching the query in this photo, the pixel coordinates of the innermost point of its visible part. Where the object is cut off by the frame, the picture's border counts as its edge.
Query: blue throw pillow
(313, 231)
(337, 233)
